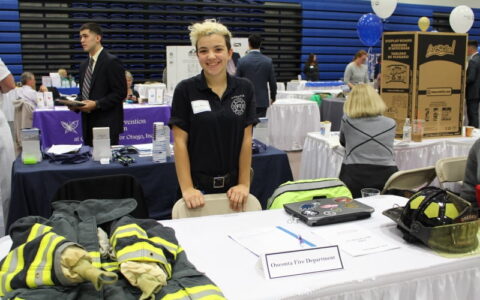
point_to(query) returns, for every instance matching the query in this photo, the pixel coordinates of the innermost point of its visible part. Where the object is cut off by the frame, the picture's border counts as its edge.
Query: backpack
(303, 190)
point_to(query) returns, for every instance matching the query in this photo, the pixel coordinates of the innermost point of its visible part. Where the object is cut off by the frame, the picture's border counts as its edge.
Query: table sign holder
(31, 153)
(101, 143)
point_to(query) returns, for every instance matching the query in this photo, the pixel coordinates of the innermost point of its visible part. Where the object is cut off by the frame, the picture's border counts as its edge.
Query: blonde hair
(209, 27)
(128, 75)
(363, 101)
(62, 72)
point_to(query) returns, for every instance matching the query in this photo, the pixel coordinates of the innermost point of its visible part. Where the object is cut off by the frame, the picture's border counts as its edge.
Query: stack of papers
(63, 149)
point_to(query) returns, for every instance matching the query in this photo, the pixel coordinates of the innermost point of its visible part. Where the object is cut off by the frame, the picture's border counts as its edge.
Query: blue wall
(10, 44)
(329, 30)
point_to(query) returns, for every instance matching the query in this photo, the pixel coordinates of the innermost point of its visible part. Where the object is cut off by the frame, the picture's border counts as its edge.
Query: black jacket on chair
(105, 187)
(109, 88)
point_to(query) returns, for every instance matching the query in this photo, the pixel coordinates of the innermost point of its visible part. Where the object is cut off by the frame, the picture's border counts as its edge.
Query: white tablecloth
(289, 121)
(409, 272)
(322, 157)
(306, 94)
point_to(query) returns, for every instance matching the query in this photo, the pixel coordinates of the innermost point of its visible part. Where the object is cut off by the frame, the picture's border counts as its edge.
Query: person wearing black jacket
(311, 68)
(103, 87)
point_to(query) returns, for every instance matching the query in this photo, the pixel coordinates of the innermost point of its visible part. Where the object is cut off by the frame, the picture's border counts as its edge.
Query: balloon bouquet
(370, 27)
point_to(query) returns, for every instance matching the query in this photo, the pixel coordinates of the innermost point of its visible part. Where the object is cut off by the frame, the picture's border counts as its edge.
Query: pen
(299, 237)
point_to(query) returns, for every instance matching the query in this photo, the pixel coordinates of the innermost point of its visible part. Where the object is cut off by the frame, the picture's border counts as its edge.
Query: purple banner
(61, 126)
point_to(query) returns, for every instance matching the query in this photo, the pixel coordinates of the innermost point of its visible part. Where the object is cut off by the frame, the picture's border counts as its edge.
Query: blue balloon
(369, 29)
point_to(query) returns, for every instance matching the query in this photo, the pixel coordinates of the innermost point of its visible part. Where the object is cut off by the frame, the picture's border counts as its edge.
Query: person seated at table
(367, 136)
(212, 118)
(472, 175)
(356, 72)
(28, 90)
(132, 95)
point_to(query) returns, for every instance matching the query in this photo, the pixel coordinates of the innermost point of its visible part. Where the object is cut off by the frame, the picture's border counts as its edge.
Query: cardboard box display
(423, 77)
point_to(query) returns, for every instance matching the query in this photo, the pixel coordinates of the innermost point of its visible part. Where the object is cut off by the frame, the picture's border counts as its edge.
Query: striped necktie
(87, 80)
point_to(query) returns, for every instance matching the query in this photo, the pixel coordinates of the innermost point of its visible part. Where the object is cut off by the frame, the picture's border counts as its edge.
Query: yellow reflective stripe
(47, 271)
(37, 230)
(47, 245)
(110, 266)
(208, 291)
(96, 261)
(171, 247)
(143, 251)
(13, 261)
(127, 230)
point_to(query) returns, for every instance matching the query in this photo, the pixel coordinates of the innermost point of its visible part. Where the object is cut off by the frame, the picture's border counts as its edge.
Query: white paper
(56, 80)
(151, 95)
(272, 239)
(62, 149)
(357, 241)
(159, 99)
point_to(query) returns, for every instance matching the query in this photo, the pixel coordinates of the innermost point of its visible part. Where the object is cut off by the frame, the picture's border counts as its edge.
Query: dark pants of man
(472, 112)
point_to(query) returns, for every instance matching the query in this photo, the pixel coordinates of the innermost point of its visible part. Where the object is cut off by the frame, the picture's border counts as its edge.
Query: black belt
(213, 182)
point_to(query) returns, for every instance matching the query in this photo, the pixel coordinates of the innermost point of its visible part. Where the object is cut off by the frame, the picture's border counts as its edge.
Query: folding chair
(215, 204)
(410, 179)
(451, 169)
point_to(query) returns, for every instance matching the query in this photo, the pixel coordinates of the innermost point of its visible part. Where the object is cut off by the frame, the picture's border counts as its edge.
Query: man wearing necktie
(102, 86)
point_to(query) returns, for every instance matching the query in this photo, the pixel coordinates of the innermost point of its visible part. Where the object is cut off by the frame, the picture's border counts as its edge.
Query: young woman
(212, 118)
(356, 72)
(311, 68)
(368, 140)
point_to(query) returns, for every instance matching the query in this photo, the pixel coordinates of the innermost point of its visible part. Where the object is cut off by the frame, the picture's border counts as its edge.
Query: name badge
(304, 261)
(199, 106)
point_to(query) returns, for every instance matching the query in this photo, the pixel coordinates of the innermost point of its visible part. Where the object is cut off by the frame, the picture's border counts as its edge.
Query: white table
(289, 121)
(409, 272)
(322, 157)
(306, 94)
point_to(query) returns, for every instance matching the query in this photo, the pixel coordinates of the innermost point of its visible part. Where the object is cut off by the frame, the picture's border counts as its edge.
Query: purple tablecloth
(61, 126)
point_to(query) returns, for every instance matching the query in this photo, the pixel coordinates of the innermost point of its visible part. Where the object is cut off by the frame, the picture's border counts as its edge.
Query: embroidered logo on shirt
(70, 126)
(238, 104)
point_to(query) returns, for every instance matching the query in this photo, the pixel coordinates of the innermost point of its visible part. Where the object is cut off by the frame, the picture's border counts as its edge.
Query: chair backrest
(451, 169)
(105, 187)
(410, 179)
(215, 204)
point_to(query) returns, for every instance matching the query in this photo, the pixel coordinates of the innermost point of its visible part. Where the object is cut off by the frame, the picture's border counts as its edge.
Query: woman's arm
(238, 194)
(193, 197)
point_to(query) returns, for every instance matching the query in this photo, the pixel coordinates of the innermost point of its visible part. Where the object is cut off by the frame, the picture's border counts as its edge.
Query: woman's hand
(238, 196)
(193, 198)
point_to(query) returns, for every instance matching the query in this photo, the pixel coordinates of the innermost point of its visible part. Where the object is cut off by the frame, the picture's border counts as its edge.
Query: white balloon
(461, 19)
(384, 8)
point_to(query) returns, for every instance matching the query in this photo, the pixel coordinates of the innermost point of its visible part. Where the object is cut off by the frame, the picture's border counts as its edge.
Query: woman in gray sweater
(368, 140)
(356, 72)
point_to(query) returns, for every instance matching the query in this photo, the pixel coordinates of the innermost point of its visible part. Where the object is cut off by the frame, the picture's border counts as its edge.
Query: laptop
(323, 211)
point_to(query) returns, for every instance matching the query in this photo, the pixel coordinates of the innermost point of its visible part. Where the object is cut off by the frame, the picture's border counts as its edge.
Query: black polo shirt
(215, 133)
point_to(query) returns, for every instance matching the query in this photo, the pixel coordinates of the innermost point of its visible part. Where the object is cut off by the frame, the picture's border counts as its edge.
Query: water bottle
(407, 131)
(159, 143)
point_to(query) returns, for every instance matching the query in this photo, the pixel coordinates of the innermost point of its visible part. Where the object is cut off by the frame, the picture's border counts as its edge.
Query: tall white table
(322, 157)
(409, 272)
(289, 121)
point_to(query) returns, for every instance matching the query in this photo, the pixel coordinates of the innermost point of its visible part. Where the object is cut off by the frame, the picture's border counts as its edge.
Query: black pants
(359, 176)
(261, 112)
(472, 112)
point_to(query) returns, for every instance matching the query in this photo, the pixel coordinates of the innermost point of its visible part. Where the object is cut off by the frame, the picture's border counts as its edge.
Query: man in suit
(473, 83)
(103, 86)
(258, 68)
